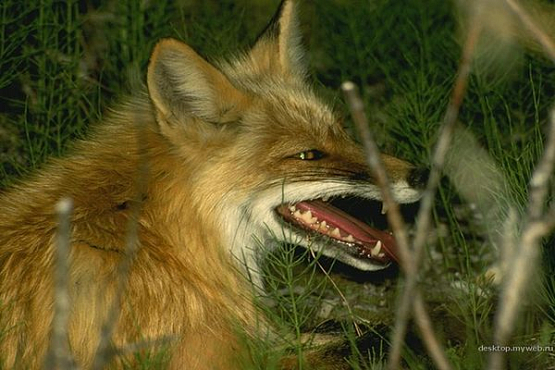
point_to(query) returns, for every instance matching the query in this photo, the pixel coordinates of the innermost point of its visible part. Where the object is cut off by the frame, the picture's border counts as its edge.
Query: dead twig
(59, 355)
(541, 36)
(435, 349)
(397, 223)
(538, 225)
(105, 351)
(426, 204)
(374, 161)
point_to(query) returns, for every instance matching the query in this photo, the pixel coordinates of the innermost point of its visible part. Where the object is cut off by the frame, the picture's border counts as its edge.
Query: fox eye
(310, 155)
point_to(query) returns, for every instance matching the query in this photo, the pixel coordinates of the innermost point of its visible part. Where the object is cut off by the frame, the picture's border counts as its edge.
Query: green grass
(64, 63)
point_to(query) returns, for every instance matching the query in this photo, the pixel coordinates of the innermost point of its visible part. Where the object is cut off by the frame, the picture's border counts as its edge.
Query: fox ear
(182, 84)
(278, 49)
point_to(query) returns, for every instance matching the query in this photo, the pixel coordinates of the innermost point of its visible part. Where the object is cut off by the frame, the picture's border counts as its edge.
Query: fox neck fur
(174, 270)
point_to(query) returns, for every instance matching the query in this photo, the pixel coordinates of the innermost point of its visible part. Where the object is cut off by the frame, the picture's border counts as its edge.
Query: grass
(64, 63)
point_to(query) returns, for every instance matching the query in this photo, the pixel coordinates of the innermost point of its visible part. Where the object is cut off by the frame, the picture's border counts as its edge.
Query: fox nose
(418, 177)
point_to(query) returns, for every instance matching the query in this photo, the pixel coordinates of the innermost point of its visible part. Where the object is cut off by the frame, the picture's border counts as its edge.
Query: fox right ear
(182, 84)
(278, 49)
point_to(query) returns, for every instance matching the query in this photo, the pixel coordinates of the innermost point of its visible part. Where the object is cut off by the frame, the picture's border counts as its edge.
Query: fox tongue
(347, 224)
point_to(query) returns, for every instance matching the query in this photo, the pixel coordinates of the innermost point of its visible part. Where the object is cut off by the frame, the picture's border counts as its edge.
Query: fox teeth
(325, 199)
(306, 217)
(385, 208)
(323, 226)
(292, 208)
(312, 220)
(349, 238)
(335, 232)
(377, 249)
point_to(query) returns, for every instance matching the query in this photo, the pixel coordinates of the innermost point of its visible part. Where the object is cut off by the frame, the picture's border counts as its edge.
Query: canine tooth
(335, 232)
(385, 208)
(297, 214)
(349, 238)
(307, 217)
(377, 249)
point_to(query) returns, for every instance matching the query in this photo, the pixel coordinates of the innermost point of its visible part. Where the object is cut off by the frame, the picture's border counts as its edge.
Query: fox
(216, 164)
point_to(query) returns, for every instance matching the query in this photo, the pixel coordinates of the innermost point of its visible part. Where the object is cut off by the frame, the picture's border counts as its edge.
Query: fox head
(266, 154)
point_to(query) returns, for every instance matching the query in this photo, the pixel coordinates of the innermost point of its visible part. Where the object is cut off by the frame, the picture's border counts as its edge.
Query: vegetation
(63, 64)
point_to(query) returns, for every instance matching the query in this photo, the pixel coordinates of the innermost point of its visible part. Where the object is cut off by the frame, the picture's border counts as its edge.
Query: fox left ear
(182, 84)
(278, 49)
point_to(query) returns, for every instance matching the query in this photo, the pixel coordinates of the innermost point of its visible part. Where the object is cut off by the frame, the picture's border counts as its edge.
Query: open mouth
(324, 219)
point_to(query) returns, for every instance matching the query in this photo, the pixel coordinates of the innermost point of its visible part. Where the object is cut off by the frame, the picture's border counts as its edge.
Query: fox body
(209, 165)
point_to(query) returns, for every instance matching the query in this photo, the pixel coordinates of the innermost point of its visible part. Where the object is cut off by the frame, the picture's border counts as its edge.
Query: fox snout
(405, 179)
(418, 177)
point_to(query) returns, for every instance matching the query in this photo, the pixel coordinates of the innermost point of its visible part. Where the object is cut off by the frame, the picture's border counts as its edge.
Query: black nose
(418, 177)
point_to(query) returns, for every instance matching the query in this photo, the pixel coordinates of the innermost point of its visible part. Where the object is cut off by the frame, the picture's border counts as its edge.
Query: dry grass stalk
(373, 158)
(410, 292)
(105, 351)
(410, 261)
(59, 355)
(399, 229)
(538, 224)
(536, 32)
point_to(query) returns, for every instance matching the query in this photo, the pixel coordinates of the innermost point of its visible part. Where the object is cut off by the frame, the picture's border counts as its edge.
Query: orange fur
(171, 290)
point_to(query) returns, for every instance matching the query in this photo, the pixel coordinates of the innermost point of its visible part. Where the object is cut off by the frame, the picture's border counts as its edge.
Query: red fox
(214, 158)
